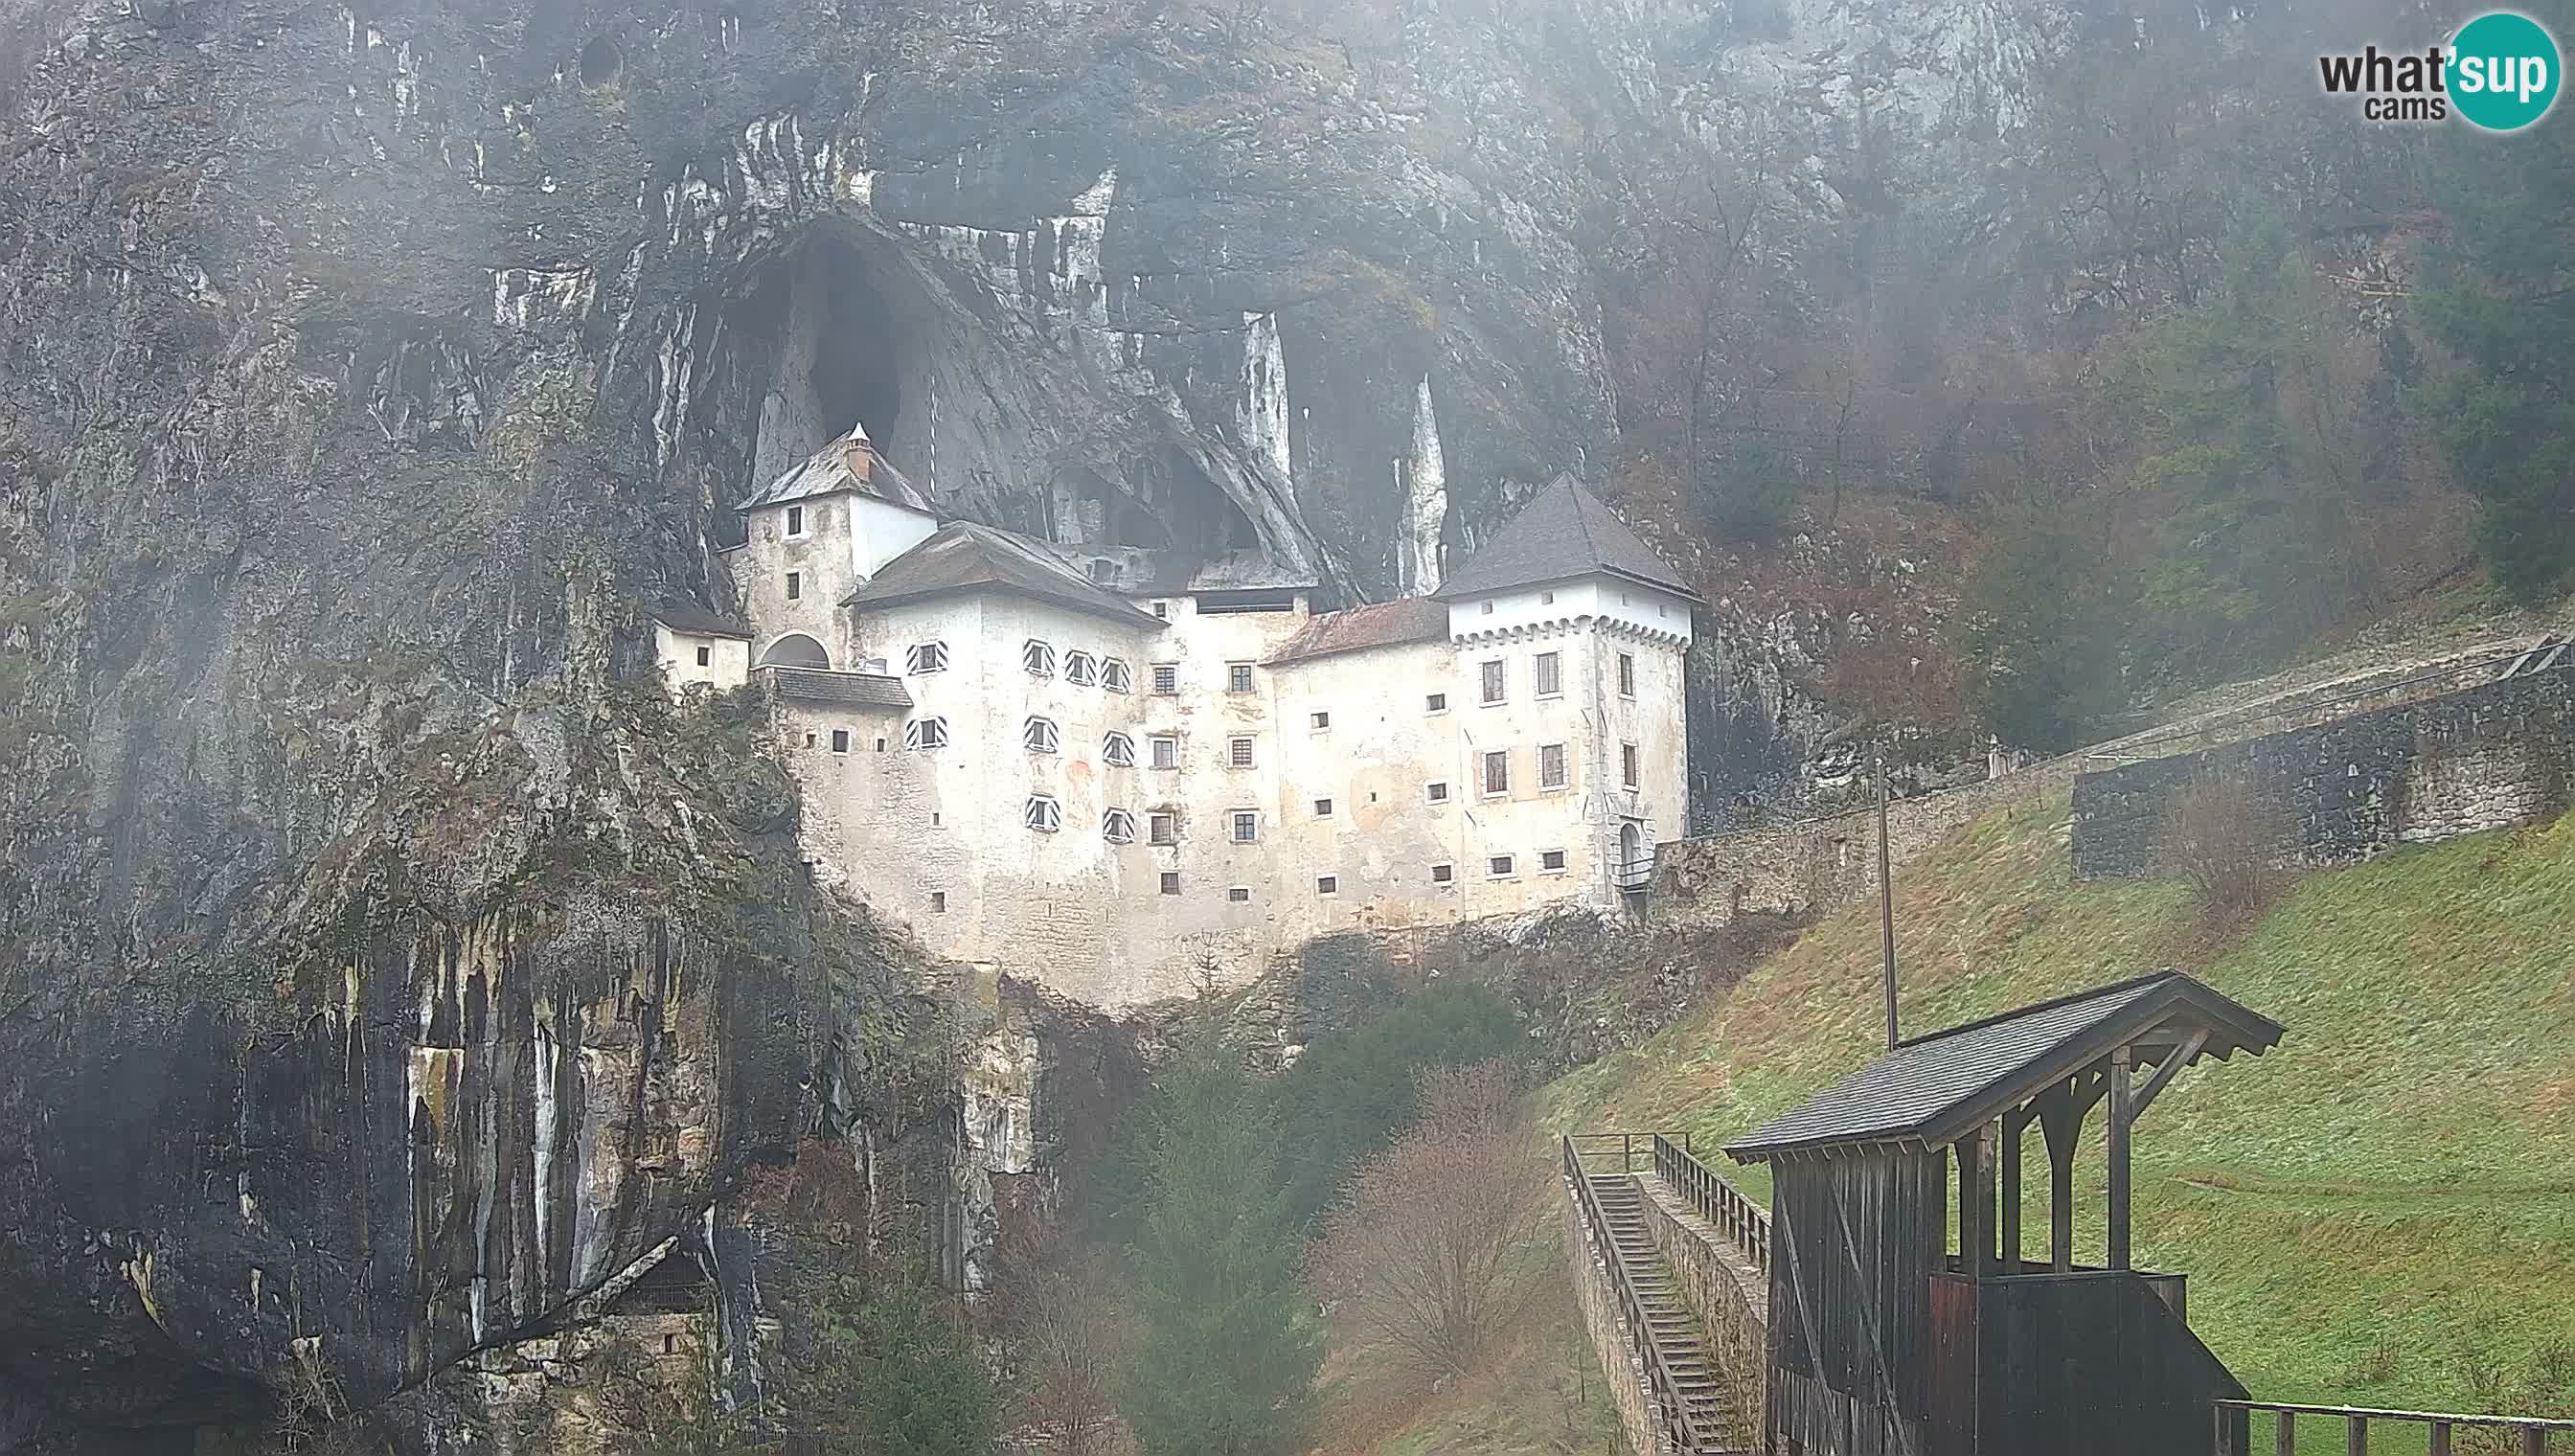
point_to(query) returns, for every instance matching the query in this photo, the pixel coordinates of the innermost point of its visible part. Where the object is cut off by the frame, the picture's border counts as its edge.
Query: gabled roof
(1932, 1090)
(838, 690)
(964, 556)
(1563, 531)
(1384, 624)
(684, 618)
(1139, 571)
(850, 465)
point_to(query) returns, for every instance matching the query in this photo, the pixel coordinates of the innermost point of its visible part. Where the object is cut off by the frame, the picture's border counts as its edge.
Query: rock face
(381, 969)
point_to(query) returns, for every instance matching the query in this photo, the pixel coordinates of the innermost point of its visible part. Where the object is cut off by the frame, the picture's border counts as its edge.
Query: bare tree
(1071, 1336)
(2224, 835)
(1433, 1250)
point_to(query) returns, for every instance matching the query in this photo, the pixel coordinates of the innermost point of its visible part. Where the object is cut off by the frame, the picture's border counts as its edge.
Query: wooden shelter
(1888, 1339)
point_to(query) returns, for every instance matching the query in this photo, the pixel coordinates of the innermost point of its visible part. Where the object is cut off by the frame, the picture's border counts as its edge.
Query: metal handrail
(2235, 1432)
(1684, 1430)
(1744, 1223)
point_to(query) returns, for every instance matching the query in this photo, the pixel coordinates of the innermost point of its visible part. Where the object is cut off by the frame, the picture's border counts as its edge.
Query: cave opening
(843, 347)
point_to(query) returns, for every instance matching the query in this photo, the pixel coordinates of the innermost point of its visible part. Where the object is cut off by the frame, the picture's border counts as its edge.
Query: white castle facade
(1107, 769)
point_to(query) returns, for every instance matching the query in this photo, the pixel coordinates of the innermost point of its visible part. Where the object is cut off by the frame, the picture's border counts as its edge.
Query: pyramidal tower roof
(1564, 532)
(850, 465)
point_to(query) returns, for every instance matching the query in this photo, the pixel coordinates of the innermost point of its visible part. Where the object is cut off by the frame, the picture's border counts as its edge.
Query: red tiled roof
(1384, 624)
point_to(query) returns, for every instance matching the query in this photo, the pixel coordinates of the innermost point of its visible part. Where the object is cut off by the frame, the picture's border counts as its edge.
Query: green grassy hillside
(2379, 1212)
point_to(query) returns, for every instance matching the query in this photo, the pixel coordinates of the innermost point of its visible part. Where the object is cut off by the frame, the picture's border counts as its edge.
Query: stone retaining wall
(1728, 1294)
(2488, 757)
(1640, 1412)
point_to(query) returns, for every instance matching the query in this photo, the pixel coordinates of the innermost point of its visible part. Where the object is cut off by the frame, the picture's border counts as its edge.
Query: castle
(1111, 767)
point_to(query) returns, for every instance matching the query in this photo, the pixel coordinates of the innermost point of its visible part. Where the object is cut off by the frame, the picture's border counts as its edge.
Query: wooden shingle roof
(1932, 1090)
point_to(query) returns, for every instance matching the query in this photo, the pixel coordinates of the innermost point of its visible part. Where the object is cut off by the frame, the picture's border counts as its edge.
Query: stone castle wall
(2491, 755)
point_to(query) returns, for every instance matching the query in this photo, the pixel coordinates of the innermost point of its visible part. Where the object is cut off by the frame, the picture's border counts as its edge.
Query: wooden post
(2015, 1124)
(2355, 1440)
(2286, 1441)
(2060, 1121)
(1972, 1183)
(2120, 1115)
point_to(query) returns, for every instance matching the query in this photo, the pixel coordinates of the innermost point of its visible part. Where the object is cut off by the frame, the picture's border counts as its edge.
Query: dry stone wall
(2482, 758)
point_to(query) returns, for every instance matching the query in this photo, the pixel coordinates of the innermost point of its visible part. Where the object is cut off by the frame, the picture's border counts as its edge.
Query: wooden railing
(1678, 1420)
(2235, 1427)
(1602, 1147)
(1745, 1225)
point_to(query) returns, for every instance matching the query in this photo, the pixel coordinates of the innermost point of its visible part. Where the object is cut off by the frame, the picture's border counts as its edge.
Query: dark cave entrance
(845, 350)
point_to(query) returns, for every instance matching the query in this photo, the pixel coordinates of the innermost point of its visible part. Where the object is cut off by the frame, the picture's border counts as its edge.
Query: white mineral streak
(629, 284)
(670, 409)
(1263, 415)
(522, 297)
(548, 1057)
(1425, 501)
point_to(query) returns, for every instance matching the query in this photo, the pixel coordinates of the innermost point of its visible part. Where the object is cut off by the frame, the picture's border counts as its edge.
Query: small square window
(1162, 829)
(1546, 599)
(939, 902)
(794, 586)
(1628, 765)
(1238, 676)
(1327, 884)
(1436, 793)
(1043, 815)
(809, 740)
(1550, 861)
(840, 740)
(1238, 752)
(706, 655)
(1322, 809)
(1247, 826)
(796, 520)
(1442, 873)
(1436, 703)
(1170, 881)
(927, 657)
(1492, 679)
(1163, 610)
(1166, 677)
(1499, 866)
(1240, 894)
(1320, 719)
(1487, 610)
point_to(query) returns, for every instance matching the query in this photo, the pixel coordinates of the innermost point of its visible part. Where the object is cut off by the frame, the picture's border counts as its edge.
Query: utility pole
(1885, 886)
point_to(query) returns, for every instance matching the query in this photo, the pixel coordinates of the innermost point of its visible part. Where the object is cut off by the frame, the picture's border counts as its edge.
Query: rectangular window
(1322, 809)
(1628, 765)
(1327, 884)
(794, 586)
(1546, 599)
(1550, 675)
(1081, 669)
(1117, 827)
(1442, 873)
(1499, 866)
(1238, 676)
(1321, 720)
(1551, 765)
(796, 520)
(1167, 752)
(1114, 675)
(1037, 658)
(1498, 771)
(1170, 881)
(840, 740)
(1626, 675)
(1117, 750)
(1043, 815)
(1238, 752)
(939, 902)
(1166, 677)
(927, 657)
(1436, 792)
(706, 655)
(1487, 610)
(926, 733)
(1492, 678)
(1550, 861)
(1037, 735)
(1162, 829)
(1163, 610)
(880, 746)
(1435, 702)
(1247, 826)
(1239, 895)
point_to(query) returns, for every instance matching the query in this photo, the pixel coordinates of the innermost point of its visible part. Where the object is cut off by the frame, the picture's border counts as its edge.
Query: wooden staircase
(1674, 1330)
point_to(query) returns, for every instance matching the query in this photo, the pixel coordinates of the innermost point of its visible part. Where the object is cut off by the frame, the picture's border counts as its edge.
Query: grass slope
(2379, 1212)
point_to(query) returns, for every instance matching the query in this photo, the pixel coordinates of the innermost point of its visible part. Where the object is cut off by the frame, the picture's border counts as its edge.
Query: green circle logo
(2503, 71)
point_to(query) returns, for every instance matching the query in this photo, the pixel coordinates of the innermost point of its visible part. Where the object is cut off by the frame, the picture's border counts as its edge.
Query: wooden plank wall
(1854, 1241)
